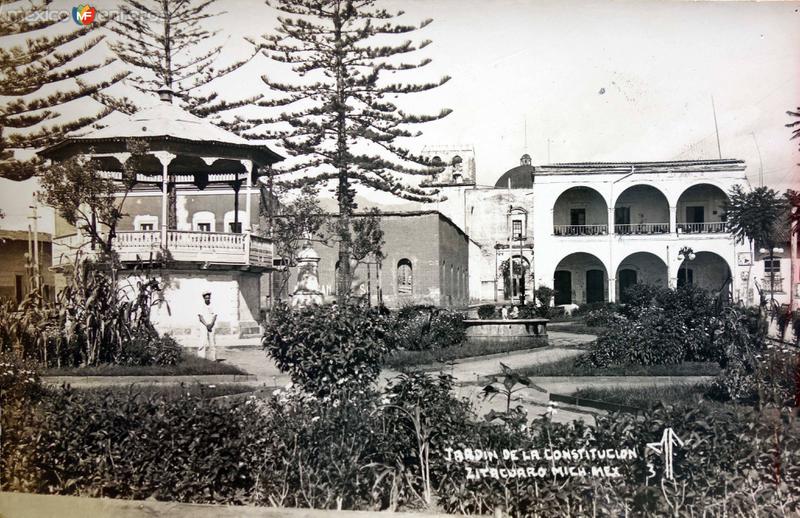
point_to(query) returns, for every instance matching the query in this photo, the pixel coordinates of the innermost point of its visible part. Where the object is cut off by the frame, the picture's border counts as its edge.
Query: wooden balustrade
(182, 245)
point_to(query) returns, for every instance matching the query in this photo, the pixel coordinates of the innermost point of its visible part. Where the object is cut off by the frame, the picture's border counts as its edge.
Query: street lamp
(683, 254)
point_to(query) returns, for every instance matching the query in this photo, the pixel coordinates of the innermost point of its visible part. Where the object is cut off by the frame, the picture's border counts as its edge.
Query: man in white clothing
(207, 316)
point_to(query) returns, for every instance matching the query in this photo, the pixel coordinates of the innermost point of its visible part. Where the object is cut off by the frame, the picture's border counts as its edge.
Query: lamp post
(772, 251)
(683, 254)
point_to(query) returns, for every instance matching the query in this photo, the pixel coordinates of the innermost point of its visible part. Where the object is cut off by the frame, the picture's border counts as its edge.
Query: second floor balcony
(640, 210)
(207, 248)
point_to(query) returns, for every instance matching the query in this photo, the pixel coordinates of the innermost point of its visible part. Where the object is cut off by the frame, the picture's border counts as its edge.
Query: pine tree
(167, 43)
(39, 77)
(343, 125)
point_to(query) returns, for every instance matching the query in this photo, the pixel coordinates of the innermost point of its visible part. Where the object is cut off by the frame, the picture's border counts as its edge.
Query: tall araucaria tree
(756, 215)
(339, 117)
(40, 75)
(168, 44)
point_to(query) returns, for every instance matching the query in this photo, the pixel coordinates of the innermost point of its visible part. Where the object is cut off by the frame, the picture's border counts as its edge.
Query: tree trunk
(345, 204)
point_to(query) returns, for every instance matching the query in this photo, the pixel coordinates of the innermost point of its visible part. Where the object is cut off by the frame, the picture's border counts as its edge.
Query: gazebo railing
(184, 245)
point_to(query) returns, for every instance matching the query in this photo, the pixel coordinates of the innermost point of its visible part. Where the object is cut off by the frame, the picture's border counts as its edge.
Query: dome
(521, 177)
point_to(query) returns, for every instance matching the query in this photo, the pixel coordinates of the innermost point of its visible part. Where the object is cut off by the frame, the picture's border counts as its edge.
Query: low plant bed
(646, 397)
(401, 359)
(189, 365)
(168, 392)
(571, 367)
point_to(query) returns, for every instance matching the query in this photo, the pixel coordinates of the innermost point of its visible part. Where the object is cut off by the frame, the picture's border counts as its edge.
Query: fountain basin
(525, 330)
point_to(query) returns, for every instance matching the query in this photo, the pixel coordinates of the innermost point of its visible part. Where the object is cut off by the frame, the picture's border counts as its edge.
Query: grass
(174, 391)
(189, 365)
(645, 397)
(568, 367)
(401, 359)
(577, 327)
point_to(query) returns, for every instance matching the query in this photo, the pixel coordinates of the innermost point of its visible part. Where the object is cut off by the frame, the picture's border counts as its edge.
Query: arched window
(405, 280)
(203, 221)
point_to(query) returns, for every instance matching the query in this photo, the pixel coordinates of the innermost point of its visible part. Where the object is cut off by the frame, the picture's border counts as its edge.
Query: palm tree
(757, 216)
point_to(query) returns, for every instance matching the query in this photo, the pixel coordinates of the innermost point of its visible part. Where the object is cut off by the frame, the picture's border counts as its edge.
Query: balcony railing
(642, 228)
(716, 227)
(181, 245)
(774, 285)
(580, 230)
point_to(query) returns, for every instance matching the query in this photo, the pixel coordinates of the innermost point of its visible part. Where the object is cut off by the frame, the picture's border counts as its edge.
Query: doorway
(562, 284)
(627, 278)
(595, 280)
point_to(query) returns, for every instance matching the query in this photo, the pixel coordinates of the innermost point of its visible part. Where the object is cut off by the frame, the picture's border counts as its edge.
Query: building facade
(590, 230)
(426, 261)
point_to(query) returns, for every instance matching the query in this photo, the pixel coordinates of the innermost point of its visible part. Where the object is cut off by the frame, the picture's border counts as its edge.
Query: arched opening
(641, 209)
(580, 278)
(405, 280)
(640, 268)
(515, 272)
(580, 211)
(707, 270)
(701, 209)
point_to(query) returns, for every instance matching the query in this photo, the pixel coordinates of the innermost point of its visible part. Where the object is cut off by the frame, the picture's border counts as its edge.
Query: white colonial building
(589, 230)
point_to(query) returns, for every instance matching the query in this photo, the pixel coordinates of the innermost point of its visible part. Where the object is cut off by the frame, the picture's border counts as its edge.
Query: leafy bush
(487, 311)
(328, 348)
(358, 449)
(151, 350)
(657, 326)
(421, 328)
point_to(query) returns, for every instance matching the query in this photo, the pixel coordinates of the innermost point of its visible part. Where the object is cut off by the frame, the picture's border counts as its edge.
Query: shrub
(487, 312)
(421, 328)
(328, 348)
(149, 349)
(361, 450)
(657, 326)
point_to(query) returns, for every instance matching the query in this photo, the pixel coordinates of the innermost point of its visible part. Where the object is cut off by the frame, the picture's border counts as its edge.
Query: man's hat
(206, 293)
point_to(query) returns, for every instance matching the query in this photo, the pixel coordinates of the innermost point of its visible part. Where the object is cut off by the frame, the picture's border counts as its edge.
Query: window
(204, 221)
(232, 223)
(145, 222)
(773, 266)
(516, 229)
(577, 217)
(405, 281)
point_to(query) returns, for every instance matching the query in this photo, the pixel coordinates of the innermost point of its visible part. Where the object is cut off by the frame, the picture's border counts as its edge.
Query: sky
(580, 81)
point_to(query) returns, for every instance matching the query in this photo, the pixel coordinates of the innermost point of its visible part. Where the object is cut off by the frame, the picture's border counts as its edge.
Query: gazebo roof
(168, 124)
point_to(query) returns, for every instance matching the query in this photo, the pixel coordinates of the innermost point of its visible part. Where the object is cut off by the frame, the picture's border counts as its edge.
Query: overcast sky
(602, 81)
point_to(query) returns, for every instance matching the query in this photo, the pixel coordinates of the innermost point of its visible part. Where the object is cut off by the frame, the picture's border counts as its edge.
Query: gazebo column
(236, 187)
(165, 158)
(248, 164)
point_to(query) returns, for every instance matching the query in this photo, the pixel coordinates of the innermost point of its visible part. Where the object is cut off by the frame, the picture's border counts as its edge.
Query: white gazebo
(185, 153)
